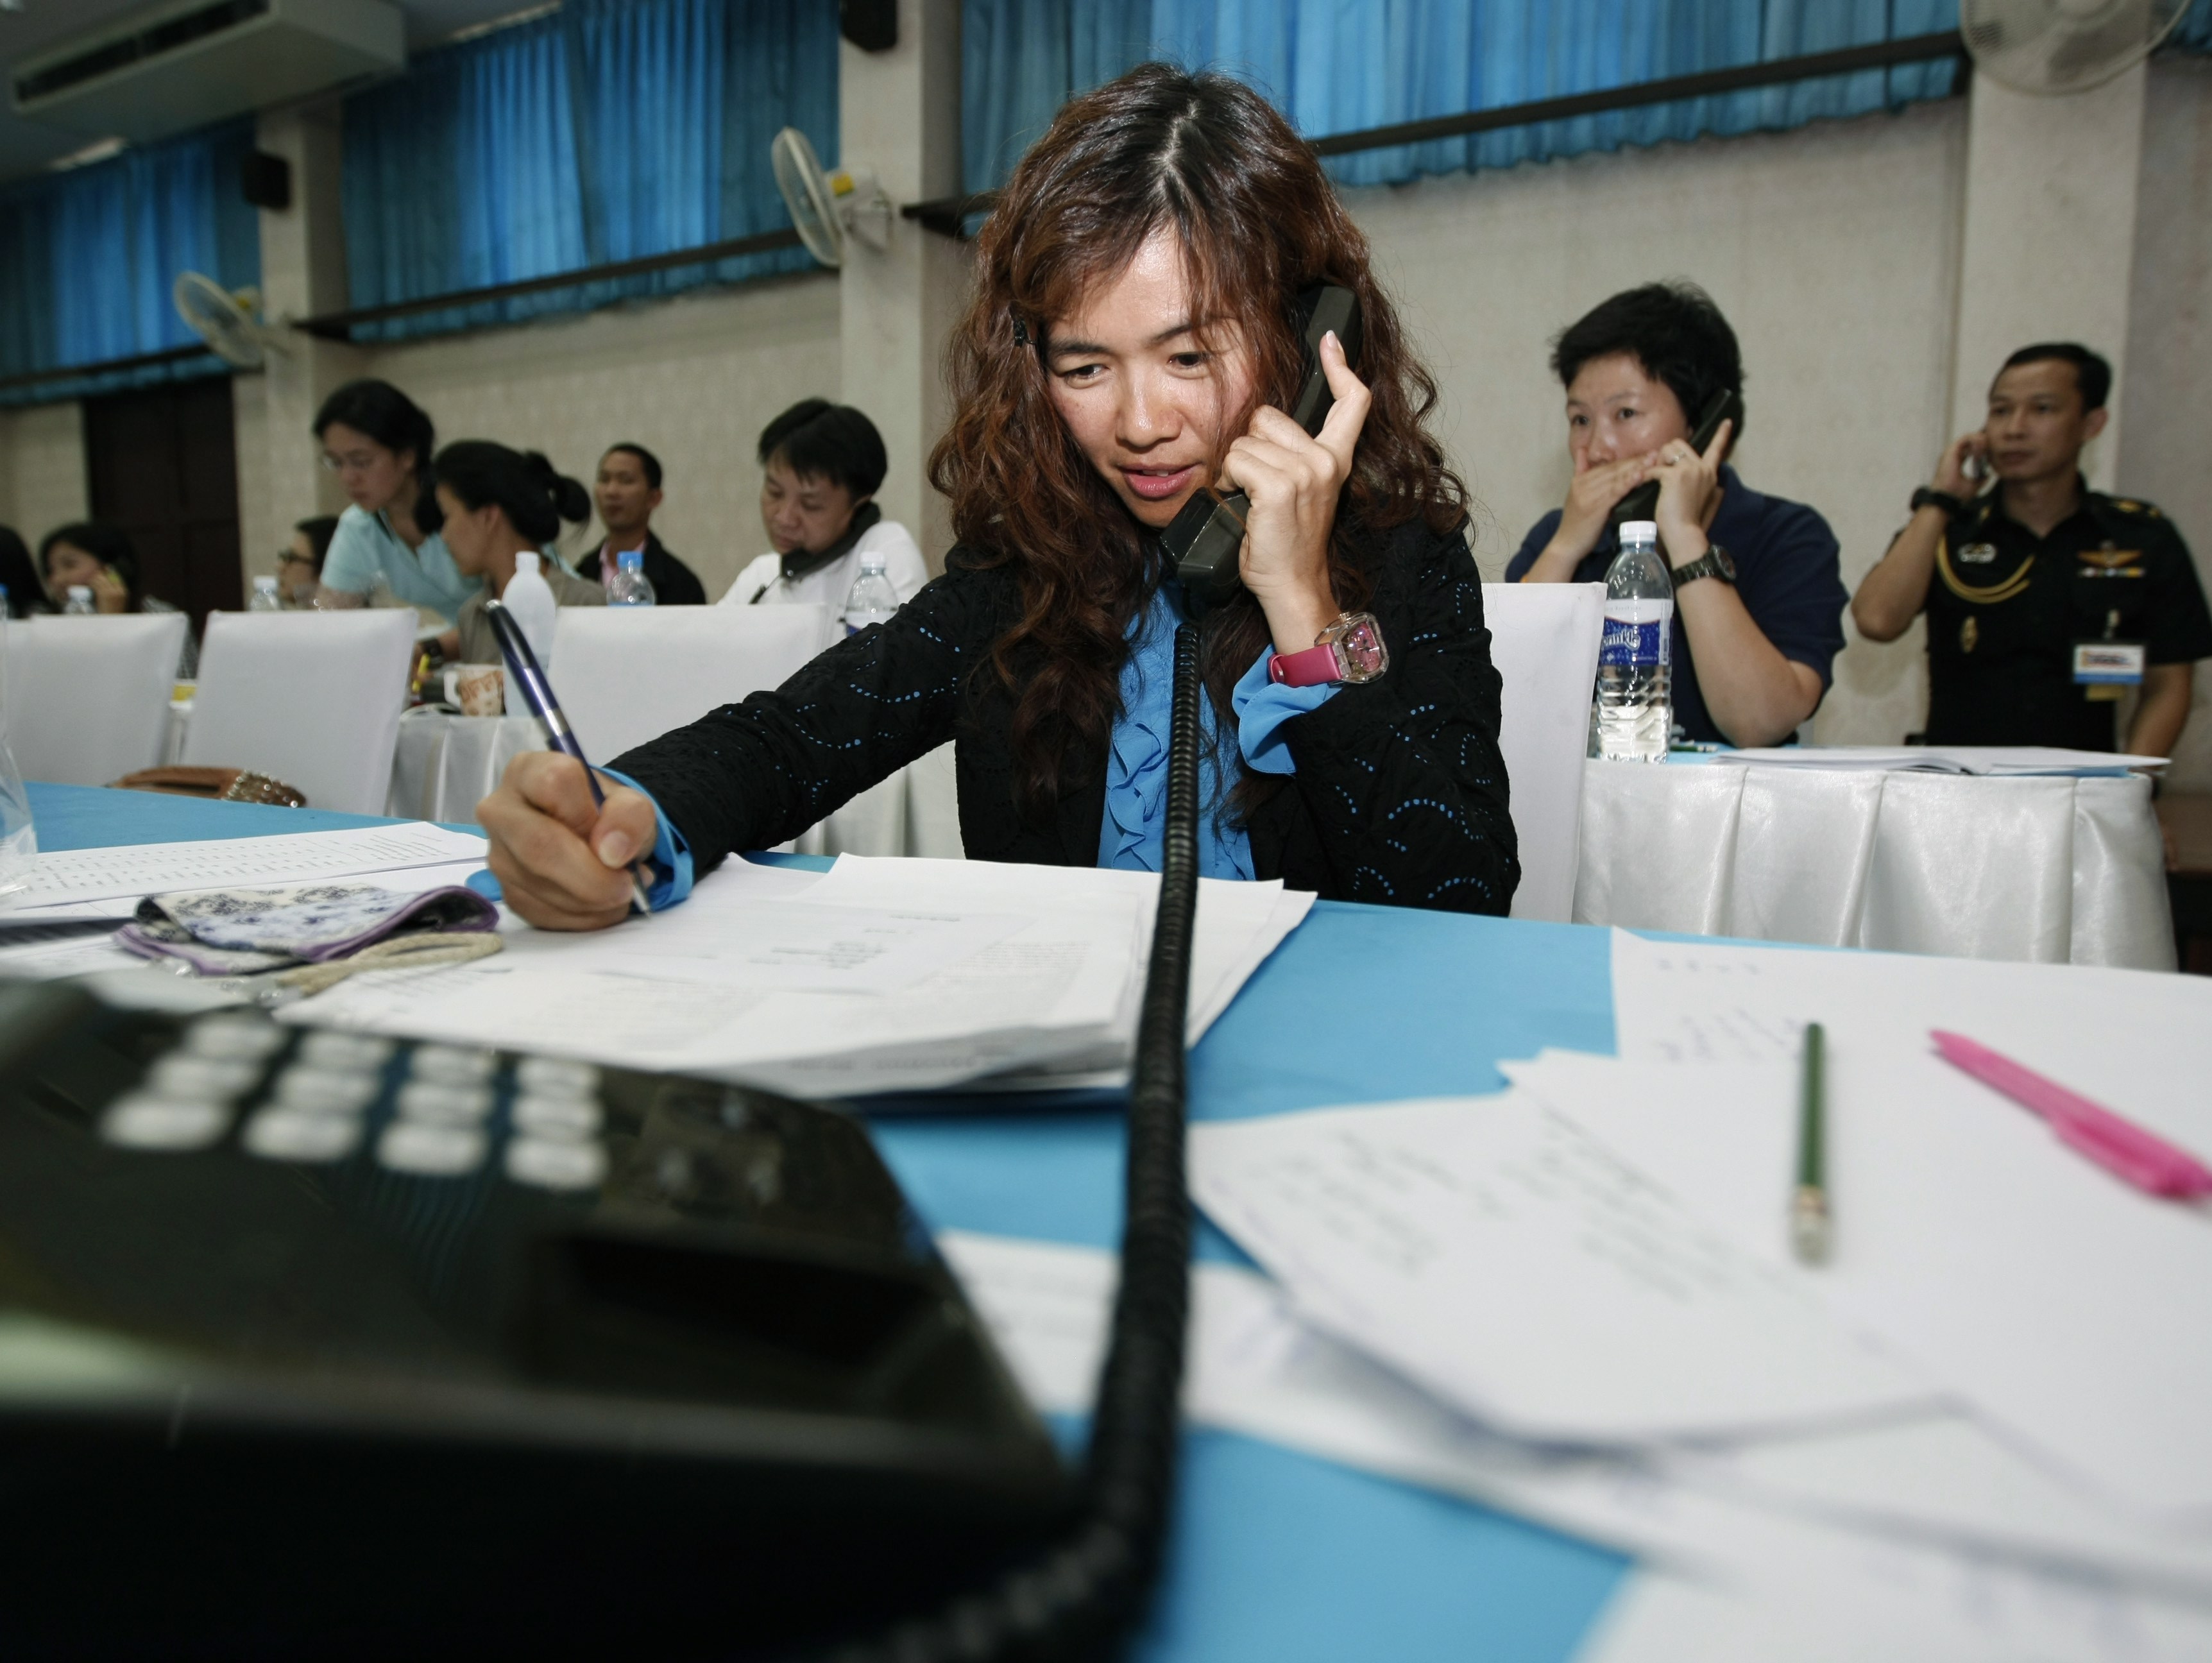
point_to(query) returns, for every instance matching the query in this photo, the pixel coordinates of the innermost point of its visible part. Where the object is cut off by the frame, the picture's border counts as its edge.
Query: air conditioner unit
(187, 63)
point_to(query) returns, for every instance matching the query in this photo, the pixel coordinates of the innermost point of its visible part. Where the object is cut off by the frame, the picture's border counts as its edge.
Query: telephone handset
(1204, 540)
(1643, 503)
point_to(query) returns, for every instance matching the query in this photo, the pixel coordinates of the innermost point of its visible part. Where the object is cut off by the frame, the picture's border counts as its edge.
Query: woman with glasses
(380, 444)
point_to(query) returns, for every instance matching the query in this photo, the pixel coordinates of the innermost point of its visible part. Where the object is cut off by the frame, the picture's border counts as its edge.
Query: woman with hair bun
(496, 503)
(1133, 337)
(379, 443)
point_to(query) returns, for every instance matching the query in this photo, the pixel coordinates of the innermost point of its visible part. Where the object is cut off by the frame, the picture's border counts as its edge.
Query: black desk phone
(1643, 503)
(1204, 540)
(318, 1344)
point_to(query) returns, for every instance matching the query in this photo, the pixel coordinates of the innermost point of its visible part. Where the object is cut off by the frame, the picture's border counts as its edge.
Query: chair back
(311, 698)
(89, 697)
(1544, 641)
(627, 674)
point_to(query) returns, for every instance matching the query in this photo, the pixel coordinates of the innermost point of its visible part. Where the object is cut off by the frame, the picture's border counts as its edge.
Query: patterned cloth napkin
(339, 926)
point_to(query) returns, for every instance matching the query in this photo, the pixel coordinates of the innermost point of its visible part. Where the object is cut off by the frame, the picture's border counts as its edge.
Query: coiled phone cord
(1082, 1596)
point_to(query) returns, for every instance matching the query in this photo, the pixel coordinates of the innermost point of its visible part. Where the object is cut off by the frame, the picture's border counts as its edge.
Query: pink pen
(2148, 1162)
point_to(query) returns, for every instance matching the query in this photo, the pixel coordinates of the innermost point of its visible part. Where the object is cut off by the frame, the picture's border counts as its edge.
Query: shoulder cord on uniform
(1979, 594)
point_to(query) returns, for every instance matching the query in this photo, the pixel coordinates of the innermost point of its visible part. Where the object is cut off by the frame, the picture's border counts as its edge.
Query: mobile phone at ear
(1643, 503)
(1205, 538)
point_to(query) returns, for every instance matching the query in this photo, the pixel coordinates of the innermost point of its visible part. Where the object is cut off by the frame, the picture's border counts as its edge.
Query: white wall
(1831, 248)
(2166, 394)
(42, 483)
(693, 379)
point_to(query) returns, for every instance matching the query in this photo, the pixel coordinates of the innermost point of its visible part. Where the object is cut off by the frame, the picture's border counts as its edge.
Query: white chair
(1544, 641)
(310, 698)
(624, 675)
(89, 697)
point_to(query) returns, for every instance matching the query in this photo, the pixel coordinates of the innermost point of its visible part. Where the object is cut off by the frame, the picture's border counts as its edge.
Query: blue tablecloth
(1276, 1557)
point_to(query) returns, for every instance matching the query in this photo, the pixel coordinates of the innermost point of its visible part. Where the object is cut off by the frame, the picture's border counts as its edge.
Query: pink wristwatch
(1350, 649)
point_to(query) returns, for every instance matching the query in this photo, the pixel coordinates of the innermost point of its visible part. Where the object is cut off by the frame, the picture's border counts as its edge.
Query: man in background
(2047, 602)
(627, 492)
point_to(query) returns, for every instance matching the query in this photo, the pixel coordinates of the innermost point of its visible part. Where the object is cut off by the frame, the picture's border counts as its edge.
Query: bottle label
(1634, 646)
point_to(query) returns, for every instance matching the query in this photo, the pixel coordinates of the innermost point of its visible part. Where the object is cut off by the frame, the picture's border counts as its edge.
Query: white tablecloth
(2048, 869)
(445, 764)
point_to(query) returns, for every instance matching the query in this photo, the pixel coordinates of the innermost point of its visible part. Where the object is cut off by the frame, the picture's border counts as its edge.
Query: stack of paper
(2000, 761)
(878, 976)
(2001, 1366)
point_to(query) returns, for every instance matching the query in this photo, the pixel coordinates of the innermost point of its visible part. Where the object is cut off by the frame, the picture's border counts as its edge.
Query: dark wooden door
(162, 465)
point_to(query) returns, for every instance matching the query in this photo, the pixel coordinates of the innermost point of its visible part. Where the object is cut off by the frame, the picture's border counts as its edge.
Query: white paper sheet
(1997, 761)
(81, 877)
(2060, 1302)
(791, 946)
(1253, 1368)
(1513, 1265)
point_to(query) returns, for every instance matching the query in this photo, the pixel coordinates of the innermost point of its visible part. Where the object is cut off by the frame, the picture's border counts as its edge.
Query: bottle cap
(630, 560)
(871, 561)
(265, 583)
(1640, 530)
(80, 591)
(525, 560)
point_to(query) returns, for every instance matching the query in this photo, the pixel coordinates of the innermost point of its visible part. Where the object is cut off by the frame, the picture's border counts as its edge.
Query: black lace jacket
(1399, 797)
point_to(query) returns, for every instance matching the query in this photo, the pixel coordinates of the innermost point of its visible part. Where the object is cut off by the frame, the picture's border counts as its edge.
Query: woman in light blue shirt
(380, 444)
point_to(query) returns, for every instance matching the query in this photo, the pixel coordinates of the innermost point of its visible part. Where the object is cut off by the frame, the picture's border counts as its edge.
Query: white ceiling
(30, 25)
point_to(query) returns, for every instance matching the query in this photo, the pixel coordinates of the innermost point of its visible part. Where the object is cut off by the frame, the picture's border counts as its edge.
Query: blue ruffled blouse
(1129, 834)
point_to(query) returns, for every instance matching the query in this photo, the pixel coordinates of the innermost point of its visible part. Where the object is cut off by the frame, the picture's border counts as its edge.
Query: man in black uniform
(2046, 601)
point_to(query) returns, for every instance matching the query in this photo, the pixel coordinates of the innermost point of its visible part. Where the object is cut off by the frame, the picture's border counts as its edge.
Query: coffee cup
(480, 688)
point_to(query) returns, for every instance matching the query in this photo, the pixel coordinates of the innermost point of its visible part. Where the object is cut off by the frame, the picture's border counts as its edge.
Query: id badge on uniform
(2105, 669)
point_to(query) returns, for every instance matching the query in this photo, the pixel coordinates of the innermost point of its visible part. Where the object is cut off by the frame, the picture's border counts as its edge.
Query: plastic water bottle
(79, 604)
(631, 587)
(1635, 707)
(871, 599)
(530, 598)
(264, 598)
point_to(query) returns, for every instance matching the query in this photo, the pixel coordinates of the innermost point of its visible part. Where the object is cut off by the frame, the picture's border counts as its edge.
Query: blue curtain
(1337, 66)
(2194, 33)
(88, 258)
(612, 129)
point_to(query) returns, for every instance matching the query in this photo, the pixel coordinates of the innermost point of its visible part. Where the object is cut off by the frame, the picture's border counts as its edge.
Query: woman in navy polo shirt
(1758, 599)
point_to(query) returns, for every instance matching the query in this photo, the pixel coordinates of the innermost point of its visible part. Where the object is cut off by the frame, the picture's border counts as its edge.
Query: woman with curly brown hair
(1131, 340)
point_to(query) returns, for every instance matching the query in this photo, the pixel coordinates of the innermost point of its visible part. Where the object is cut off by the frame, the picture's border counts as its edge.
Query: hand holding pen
(508, 830)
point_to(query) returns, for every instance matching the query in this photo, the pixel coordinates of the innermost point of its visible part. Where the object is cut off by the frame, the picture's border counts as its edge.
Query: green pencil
(1808, 1202)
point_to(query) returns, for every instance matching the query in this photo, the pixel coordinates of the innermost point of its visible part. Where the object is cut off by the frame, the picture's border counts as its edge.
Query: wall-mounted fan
(2063, 45)
(228, 321)
(828, 206)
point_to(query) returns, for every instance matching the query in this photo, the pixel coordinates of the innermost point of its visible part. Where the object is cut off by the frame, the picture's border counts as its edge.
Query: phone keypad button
(150, 1120)
(221, 1078)
(295, 1134)
(239, 1037)
(451, 1065)
(327, 1091)
(556, 1163)
(555, 1116)
(557, 1076)
(429, 1151)
(439, 1104)
(330, 1050)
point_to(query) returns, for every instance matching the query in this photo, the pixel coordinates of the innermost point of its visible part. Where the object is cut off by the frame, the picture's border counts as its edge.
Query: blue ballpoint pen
(537, 693)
